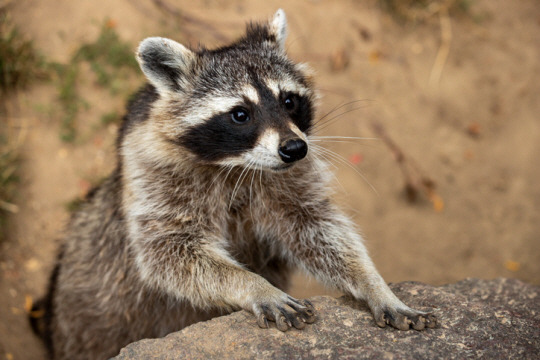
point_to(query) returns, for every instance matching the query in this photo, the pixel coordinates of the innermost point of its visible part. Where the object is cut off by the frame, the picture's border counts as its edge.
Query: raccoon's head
(244, 104)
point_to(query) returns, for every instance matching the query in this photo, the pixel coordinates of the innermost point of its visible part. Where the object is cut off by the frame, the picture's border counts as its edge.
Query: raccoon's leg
(326, 245)
(194, 266)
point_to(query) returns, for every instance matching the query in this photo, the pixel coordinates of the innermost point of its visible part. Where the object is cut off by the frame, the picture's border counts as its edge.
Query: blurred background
(445, 92)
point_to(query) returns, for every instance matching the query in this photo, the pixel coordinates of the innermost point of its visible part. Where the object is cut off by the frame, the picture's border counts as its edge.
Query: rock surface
(495, 319)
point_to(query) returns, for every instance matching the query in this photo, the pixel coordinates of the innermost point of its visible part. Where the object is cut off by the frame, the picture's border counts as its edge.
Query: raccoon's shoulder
(138, 109)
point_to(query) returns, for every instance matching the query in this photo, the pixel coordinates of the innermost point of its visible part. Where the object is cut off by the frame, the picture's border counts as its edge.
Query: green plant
(112, 62)
(19, 62)
(109, 118)
(19, 65)
(421, 10)
(8, 167)
(107, 54)
(9, 164)
(69, 99)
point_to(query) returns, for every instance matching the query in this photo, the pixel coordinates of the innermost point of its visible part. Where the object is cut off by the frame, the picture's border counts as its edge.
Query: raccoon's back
(96, 230)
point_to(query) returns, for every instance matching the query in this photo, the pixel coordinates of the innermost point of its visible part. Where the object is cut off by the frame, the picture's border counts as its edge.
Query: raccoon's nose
(292, 150)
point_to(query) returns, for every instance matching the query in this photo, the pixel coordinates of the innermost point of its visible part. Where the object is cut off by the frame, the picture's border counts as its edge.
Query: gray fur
(173, 237)
(165, 63)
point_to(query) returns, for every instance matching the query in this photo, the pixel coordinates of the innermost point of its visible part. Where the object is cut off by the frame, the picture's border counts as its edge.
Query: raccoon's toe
(405, 319)
(292, 313)
(304, 309)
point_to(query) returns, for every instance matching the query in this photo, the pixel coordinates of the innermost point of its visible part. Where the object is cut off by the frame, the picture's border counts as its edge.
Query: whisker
(229, 172)
(261, 189)
(333, 119)
(336, 109)
(237, 186)
(341, 139)
(342, 160)
(335, 141)
(317, 153)
(344, 137)
(220, 172)
(253, 170)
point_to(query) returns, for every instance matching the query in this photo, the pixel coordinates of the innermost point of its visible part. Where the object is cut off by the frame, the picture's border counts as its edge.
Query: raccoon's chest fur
(252, 206)
(255, 252)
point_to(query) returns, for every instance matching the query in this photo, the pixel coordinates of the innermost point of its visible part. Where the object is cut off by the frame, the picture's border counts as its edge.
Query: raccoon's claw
(294, 313)
(262, 321)
(304, 309)
(405, 319)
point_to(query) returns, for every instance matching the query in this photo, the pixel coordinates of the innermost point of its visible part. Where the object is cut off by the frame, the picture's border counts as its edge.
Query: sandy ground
(474, 130)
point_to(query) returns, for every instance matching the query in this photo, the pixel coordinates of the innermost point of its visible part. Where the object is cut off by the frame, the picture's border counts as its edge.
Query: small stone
(62, 153)
(474, 129)
(339, 59)
(32, 265)
(512, 265)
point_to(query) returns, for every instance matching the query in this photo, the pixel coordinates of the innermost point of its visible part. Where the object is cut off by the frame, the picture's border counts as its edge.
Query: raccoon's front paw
(285, 313)
(403, 318)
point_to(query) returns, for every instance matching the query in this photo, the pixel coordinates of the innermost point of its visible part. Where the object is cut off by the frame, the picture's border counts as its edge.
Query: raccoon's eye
(290, 102)
(239, 115)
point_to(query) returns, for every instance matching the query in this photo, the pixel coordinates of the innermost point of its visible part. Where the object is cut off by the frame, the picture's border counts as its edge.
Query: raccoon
(216, 197)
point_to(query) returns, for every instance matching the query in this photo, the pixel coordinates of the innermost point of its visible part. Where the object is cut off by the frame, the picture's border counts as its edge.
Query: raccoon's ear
(278, 28)
(165, 63)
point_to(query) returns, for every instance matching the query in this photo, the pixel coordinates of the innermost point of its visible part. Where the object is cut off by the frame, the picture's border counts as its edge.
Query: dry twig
(189, 19)
(415, 181)
(444, 48)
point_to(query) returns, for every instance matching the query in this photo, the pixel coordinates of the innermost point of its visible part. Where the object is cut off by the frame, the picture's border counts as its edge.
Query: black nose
(292, 150)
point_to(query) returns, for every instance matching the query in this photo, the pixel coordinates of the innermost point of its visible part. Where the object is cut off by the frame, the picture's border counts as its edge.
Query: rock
(491, 319)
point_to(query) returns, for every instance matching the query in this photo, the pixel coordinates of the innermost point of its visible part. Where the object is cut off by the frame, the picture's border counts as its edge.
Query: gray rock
(491, 319)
